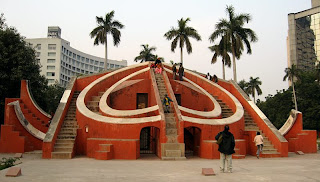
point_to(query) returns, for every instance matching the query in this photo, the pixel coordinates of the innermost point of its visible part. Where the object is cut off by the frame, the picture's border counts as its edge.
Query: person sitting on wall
(208, 76)
(215, 78)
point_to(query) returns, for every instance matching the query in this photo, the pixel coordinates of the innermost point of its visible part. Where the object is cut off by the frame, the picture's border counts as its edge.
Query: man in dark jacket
(226, 148)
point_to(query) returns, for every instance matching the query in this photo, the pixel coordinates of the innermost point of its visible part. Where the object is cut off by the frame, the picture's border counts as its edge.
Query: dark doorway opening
(178, 98)
(192, 136)
(149, 140)
(142, 100)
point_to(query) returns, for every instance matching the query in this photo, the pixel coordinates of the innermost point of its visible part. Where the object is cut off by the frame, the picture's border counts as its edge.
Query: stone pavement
(149, 168)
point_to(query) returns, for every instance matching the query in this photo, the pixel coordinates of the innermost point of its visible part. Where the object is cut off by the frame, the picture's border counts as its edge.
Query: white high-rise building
(59, 61)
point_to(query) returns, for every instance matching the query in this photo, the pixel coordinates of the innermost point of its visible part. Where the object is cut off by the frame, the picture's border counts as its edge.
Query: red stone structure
(120, 115)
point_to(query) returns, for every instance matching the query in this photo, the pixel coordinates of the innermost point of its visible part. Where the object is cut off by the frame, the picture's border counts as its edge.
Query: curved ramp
(25, 123)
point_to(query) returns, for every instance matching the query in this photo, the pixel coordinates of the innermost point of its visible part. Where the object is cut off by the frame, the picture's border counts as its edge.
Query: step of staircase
(61, 155)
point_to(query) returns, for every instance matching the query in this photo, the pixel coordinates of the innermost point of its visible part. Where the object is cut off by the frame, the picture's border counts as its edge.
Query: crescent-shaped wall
(83, 96)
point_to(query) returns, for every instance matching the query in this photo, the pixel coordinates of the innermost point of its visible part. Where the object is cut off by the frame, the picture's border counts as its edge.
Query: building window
(38, 54)
(74, 55)
(96, 63)
(51, 46)
(51, 61)
(78, 57)
(111, 66)
(50, 81)
(38, 46)
(117, 66)
(101, 64)
(51, 54)
(51, 67)
(87, 60)
(91, 61)
(95, 68)
(50, 74)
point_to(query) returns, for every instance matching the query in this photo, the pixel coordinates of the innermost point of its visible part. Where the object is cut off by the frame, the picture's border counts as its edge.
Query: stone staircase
(268, 147)
(33, 119)
(93, 104)
(172, 150)
(63, 148)
(225, 109)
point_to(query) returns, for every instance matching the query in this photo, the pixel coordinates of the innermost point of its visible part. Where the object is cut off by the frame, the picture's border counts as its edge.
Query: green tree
(277, 107)
(181, 35)
(222, 49)
(146, 54)
(292, 74)
(235, 33)
(53, 95)
(106, 26)
(253, 86)
(18, 62)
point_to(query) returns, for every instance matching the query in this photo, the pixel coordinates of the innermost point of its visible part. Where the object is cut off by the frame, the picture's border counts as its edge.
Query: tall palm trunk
(181, 55)
(234, 65)
(223, 71)
(106, 55)
(294, 97)
(254, 95)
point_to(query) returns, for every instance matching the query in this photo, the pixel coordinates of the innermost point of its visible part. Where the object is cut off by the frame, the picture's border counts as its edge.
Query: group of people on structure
(213, 78)
(158, 66)
(225, 138)
(180, 71)
(226, 142)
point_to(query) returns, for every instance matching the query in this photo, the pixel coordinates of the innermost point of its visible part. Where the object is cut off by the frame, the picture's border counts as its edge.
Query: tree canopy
(146, 54)
(181, 35)
(18, 62)
(236, 35)
(278, 107)
(106, 26)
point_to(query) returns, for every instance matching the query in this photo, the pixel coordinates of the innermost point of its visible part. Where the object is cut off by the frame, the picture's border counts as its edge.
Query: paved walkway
(149, 168)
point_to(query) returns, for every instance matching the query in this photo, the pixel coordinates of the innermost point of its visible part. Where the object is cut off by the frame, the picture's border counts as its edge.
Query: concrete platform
(150, 168)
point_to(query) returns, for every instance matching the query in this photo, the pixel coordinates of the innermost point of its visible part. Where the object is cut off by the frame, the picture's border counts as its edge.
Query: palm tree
(182, 34)
(145, 54)
(253, 86)
(292, 74)
(222, 50)
(235, 33)
(106, 26)
(244, 86)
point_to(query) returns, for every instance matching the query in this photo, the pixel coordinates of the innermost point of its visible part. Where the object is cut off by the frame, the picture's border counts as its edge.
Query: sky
(146, 22)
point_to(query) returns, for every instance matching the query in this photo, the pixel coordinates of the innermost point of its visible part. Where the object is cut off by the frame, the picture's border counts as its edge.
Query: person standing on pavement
(226, 148)
(258, 140)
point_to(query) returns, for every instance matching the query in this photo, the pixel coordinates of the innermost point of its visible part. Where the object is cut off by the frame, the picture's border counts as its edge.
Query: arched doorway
(192, 137)
(149, 140)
